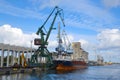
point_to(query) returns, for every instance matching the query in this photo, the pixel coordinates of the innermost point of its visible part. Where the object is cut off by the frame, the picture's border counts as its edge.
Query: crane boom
(42, 51)
(45, 21)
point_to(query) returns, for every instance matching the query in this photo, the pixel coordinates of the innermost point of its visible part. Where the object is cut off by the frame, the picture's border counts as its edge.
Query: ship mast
(60, 48)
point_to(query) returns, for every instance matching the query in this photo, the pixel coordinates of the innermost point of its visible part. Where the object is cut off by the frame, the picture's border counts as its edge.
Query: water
(110, 72)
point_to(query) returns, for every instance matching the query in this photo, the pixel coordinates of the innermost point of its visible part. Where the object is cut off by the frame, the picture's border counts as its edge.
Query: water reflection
(92, 73)
(13, 77)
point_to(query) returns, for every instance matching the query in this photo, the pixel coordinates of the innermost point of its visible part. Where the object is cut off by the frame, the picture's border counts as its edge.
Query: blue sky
(87, 21)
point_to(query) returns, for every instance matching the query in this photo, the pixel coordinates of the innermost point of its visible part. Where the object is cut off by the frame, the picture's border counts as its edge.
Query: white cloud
(42, 4)
(91, 14)
(15, 36)
(7, 8)
(109, 39)
(87, 8)
(111, 3)
(52, 44)
(85, 13)
(83, 42)
(48, 3)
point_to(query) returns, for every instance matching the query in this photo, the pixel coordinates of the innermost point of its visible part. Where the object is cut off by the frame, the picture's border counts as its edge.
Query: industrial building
(78, 52)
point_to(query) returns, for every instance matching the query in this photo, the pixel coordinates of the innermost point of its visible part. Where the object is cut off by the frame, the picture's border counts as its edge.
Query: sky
(94, 23)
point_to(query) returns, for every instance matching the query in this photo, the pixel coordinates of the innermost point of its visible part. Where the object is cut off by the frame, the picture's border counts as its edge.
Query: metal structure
(67, 43)
(42, 51)
(60, 47)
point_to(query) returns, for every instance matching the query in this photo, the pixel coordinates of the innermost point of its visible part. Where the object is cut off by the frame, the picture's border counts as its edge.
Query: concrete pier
(16, 52)
(7, 71)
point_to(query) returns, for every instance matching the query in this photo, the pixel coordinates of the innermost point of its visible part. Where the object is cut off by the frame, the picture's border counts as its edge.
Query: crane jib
(42, 42)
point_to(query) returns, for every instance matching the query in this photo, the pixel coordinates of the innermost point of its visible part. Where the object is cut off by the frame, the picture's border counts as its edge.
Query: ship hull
(69, 65)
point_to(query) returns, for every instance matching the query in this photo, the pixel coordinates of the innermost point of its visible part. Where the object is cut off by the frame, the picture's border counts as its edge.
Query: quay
(16, 53)
(8, 71)
(11, 55)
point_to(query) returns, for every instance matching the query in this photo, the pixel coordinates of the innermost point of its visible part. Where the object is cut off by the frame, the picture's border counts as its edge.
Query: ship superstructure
(66, 60)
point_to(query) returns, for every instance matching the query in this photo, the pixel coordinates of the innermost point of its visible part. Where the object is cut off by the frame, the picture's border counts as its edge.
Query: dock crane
(67, 43)
(42, 51)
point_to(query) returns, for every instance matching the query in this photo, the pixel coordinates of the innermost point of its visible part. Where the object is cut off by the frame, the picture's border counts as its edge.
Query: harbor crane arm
(42, 51)
(45, 21)
(40, 31)
(59, 10)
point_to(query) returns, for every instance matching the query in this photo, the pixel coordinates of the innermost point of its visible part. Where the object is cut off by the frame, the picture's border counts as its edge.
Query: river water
(109, 72)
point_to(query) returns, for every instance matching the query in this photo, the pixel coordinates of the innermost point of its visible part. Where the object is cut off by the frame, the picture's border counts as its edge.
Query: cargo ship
(64, 60)
(69, 64)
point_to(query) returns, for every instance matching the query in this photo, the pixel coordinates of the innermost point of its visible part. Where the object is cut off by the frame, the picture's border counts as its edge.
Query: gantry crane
(42, 51)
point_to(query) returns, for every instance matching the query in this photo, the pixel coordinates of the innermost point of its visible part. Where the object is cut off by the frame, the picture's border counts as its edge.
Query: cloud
(109, 39)
(87, 8)
(79, 13)
(42, 4)
(83, 42)
(48, 3)
(52, 45)
(106, 45)
(85, 13)
(111, 3)
(15, 36)
(7, 8)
